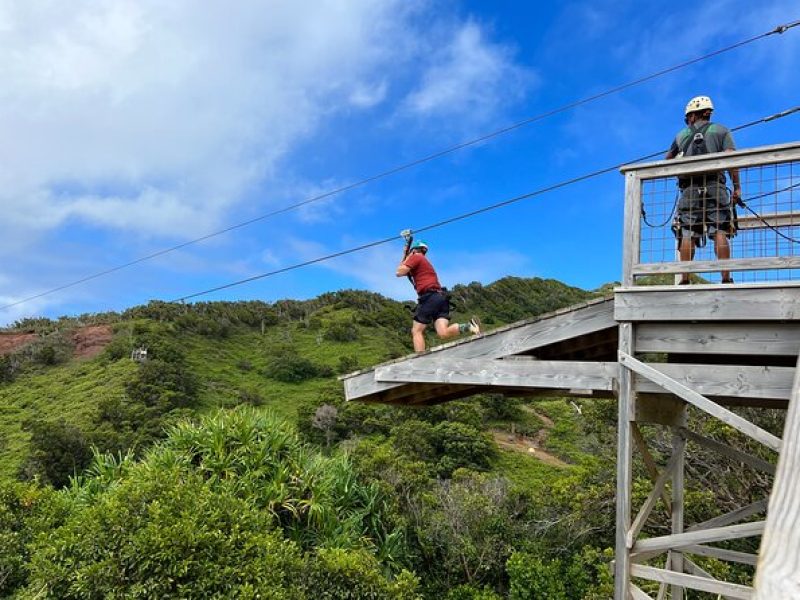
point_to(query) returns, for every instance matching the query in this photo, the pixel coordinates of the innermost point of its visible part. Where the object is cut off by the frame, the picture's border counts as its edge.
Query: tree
(58, 451)
(325, 420)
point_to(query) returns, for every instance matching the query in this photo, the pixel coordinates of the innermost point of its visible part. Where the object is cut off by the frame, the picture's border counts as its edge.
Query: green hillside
(238, 415)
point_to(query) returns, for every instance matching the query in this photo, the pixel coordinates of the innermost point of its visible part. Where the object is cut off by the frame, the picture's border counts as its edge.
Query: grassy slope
(230, 365)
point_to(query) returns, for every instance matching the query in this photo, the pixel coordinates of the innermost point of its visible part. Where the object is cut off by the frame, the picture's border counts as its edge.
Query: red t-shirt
(422, 272)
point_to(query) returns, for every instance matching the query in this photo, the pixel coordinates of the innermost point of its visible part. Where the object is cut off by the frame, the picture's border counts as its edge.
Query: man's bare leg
(722, 249)
(446, 330)
(686, 253)
(418, 336)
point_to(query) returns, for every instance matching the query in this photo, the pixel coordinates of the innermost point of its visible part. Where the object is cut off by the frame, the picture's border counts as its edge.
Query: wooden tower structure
(660, 349)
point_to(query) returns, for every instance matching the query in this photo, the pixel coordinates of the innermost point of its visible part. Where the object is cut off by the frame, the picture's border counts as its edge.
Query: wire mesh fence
(698, 207)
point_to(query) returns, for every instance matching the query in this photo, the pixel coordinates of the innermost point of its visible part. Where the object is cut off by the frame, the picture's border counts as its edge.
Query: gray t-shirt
(717, 138)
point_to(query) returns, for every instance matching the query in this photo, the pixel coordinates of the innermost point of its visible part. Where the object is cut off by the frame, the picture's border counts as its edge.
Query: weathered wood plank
(504, 373)
(639, 594)
(703, 584)
(744, 558)
(694, 569)
(632, 227)
(517, 339)
(778, 572)
(730, 452)
(785, 218)
(662, 410)
(689, 538)
(707, 266)
(708, 303)
(650, 464)
(679, 389)
(677, 560)
(771, 339)
(732, 517)
(626, 410)
(651, 500)
(720, 161)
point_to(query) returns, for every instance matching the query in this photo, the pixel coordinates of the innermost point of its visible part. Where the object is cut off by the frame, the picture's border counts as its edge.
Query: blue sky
(134, 126)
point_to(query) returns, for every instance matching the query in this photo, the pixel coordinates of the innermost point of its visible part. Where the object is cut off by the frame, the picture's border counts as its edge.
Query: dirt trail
(530, 445)
(88, 341)
(12, 341)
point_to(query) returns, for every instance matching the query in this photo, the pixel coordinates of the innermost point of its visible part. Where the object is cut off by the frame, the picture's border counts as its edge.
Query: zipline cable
(403, 167)
(460, 217)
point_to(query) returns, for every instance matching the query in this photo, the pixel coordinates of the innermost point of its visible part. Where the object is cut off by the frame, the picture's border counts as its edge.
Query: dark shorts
(431, 306)
(704, 210)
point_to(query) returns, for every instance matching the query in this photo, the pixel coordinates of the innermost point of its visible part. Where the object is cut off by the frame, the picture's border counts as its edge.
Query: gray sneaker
(474, 326)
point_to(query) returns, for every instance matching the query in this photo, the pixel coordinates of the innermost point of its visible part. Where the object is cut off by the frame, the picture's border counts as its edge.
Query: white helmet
(699, 103)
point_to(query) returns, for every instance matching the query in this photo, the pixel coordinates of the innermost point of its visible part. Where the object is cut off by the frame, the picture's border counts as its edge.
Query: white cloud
(192, 105)
(136, 123)
(469, 76)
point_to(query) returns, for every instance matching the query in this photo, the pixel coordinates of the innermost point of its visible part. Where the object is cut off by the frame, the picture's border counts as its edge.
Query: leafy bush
(341, 331)
(163, 534)
(293, 368)
(58, 451)
(335, 574)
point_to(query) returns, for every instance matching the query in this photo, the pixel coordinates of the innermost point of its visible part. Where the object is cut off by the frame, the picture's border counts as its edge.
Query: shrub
(162, 534)
(58, 451)
(336, 574)
(292, 368)
(341, 331)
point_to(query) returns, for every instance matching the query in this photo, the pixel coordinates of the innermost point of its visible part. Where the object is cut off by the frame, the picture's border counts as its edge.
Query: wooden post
(625, 414)
(777, 574)
(678, 450)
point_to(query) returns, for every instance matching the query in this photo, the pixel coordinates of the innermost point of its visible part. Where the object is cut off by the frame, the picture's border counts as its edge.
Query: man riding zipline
(433, 305)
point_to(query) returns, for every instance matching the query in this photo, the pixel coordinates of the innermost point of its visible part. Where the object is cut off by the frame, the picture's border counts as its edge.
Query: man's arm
(403, 268)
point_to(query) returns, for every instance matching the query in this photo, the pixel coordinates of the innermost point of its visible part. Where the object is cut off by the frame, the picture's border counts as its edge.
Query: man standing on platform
(432, 303)
(704, 208)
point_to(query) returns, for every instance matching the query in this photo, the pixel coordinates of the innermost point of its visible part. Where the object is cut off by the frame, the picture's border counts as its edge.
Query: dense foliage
(180, 477)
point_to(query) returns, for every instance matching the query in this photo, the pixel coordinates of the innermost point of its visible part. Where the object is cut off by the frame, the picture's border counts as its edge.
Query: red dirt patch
(90, 341)
(9, 342)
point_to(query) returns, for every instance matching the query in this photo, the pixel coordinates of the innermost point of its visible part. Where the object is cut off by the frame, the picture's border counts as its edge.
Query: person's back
(704, 207)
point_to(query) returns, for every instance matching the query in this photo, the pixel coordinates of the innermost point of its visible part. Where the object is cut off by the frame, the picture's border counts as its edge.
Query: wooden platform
(736, 344)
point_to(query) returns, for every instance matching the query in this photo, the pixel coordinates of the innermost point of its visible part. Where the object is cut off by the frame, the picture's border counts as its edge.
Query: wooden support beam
(639, 594)
(781, 218)
(694, 569)
(729, 418)
(703, 584)
(678, 490)
(709, 302)
(690, 538)
(732, 453)
(519, 338)
(626, 410)
(548, 374)
(777, 575)
(651, 500)
(724, 381)
(650, 464)
(708, 266)
(744, 558)
(732, 517)
(663, 410)
(740, 339)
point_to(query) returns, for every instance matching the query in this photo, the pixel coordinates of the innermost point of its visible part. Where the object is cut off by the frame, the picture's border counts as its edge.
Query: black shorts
(704, 210)
(431, 306)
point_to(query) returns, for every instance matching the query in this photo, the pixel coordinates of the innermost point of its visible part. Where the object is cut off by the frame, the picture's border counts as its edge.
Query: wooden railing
(749, 158)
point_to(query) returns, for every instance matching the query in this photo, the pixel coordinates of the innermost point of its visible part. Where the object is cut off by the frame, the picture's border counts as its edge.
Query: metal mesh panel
(768, 227)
